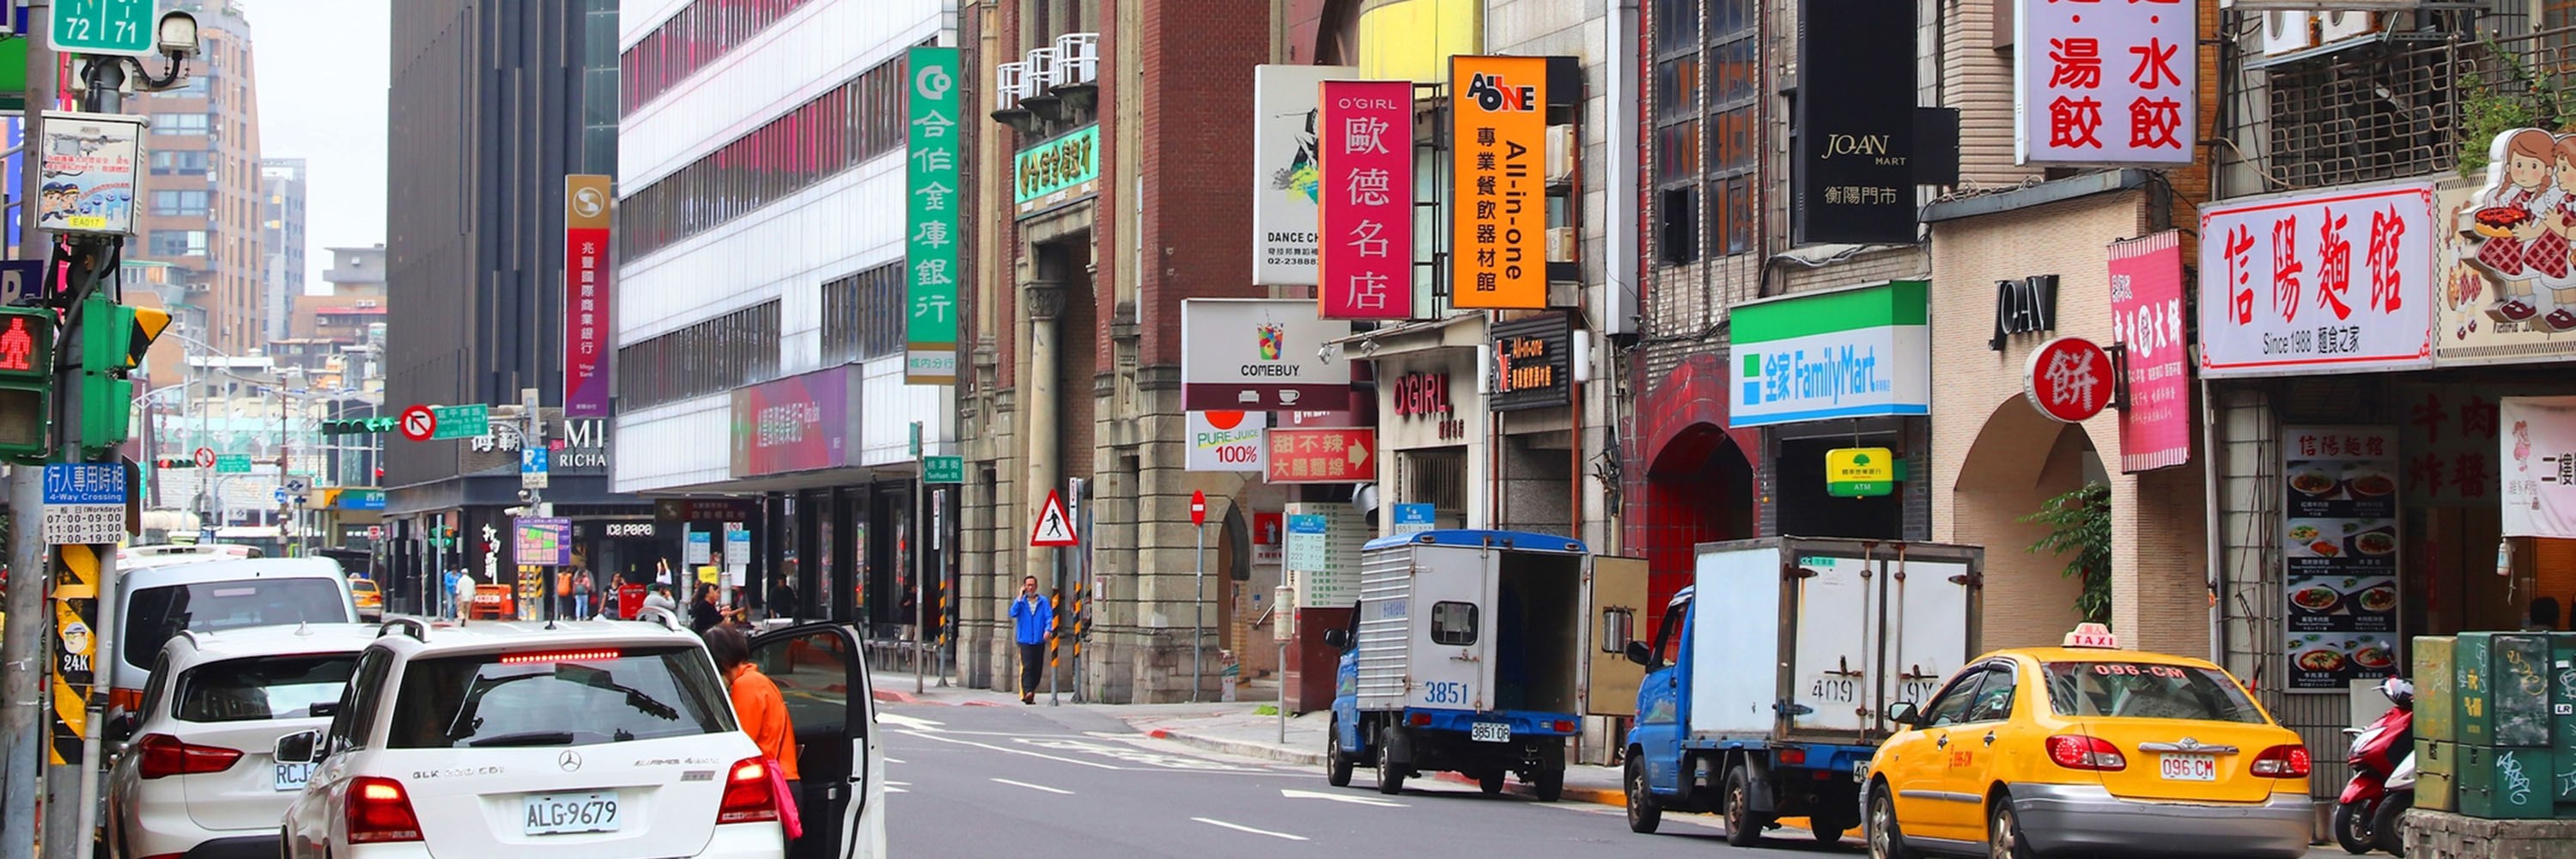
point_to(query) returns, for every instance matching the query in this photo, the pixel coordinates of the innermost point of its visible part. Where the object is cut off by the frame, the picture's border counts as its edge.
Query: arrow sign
(1336, 797)
(418, 423)
(1053, 528)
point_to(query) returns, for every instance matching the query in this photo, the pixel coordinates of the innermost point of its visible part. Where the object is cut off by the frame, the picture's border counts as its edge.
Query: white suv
(197, 779)
(600, 737)
(155, 603)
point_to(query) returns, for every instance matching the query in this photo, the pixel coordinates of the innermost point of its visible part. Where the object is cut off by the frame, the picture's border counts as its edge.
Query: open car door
(820, 671)
(1615, 589)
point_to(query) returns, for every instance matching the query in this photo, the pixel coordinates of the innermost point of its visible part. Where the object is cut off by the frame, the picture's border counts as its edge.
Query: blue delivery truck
(1767, 685)
(1466, 654)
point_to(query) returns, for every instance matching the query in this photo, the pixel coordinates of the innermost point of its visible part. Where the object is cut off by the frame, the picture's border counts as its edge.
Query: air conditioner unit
(2288, 32)
(1561, 149)
(2344, 25)
(1561, 243)
(1078, 55)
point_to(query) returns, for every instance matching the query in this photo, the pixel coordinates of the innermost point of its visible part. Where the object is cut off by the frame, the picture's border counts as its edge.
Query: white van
(156, 602)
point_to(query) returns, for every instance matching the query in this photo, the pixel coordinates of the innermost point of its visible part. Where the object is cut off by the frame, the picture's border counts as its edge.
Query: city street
(1073, 781)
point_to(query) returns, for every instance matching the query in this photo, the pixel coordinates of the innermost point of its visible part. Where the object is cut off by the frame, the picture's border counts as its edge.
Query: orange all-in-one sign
(1498, 202)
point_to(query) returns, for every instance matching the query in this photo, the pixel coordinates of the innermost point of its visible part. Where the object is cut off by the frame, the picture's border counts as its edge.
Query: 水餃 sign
(2105, 83)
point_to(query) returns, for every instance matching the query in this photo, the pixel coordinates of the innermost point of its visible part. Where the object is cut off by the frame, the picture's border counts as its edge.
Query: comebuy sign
(1057, 172)
(1859, 352)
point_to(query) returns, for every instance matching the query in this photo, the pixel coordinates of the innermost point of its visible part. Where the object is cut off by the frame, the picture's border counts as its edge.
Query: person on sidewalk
(756, 701)
(1033, 618)
(464, 596)
(661, 598)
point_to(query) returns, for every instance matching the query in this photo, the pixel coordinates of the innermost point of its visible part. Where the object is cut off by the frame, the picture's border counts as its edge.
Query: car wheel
(1743, 827)
(1337, 765)
(1491, 783)
(2388, 827)
(1886, 839)
(2352, 828)
(2003, 832)
(1643, 814)
(1390, 777)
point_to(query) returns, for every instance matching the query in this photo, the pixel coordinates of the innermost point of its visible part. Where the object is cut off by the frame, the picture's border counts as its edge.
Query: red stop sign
(2069, 379)
(1198, 507)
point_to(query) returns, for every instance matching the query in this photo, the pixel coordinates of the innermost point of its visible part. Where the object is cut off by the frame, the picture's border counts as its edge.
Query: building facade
(283, 182)
(487, 115)
(202, 205)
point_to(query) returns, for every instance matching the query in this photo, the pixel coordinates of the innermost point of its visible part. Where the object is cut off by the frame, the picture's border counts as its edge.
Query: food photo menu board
(2339, 543)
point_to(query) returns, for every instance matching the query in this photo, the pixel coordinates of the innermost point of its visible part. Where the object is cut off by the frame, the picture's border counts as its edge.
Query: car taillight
(379, 811)
(1421, 720)
(1793, 757)
(747, 798)
(2282, 762)
(2080, 752)
(165, 755)
(1562, 726)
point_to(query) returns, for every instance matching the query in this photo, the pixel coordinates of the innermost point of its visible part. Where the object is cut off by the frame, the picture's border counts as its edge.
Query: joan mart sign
(2320, 282)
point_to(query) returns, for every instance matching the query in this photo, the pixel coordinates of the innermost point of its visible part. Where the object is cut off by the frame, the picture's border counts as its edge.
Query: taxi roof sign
(2093, 635)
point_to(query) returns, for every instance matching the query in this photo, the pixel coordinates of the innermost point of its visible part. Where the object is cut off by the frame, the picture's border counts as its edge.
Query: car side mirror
(1905, 713)
(1337, 638)
(322, 709)
(1641, 654)
(301, 747)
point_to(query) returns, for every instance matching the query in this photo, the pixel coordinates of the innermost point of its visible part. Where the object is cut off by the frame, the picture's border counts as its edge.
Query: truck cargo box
(1471, 620)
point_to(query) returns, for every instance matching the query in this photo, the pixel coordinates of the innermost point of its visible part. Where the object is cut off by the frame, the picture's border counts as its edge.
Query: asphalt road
(1071, 782)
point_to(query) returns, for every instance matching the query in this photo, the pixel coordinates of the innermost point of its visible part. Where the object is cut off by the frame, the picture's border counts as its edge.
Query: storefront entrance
(2019, 463)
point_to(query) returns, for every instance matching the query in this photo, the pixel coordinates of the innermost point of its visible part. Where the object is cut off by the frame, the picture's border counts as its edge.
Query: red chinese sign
(2450, 440)
(1365, 200)
(1323, 455)
(2069, 379)
(2146, 317)
(2105, 81)
(585, 310)
(2335, 281)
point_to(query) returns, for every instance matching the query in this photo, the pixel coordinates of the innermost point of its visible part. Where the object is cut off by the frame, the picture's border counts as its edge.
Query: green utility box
(2500, 688)
(2562, 695)
(2437, 767)
(2471, 722)
(2505, 784)
(2434, 719)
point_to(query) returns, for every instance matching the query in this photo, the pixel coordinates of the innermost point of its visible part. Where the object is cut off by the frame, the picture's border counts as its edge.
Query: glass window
(358, 700)
(813, 673)
(179, 202)
(272, 687)
(1994, 699)
(2139, 690)
(179, 123)
(763, 166)
(557, 699)
(1951, 706)
(154, 614)
(1453, 624)
(167, 162)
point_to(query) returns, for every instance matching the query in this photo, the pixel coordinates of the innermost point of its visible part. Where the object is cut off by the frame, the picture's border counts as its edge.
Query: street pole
(21, 670)
(105, 77)
(920, 588)
(1198, 612)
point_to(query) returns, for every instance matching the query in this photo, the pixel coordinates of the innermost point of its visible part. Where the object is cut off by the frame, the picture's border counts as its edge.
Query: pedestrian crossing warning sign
(1053, 528)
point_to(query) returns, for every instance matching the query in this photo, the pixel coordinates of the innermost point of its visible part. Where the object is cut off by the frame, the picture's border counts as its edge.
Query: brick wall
(1197, 62)
(1984, 434)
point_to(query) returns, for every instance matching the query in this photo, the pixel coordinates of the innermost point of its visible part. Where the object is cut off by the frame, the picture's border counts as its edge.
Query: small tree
(2080, 522)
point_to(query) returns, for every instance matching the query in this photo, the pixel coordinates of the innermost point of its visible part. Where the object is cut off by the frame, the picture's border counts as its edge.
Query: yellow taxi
(2087, 749)
(370, 602)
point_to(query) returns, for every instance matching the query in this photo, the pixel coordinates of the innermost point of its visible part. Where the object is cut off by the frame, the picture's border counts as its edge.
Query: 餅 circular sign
(2069, 379)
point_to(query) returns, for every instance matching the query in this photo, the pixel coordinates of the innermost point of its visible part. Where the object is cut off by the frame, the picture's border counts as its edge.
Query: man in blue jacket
(1033, 619)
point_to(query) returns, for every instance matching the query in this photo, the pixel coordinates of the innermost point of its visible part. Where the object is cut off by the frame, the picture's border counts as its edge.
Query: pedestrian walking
(581, 593)
(703, 613)
(1033, 621)
(782, 601)
(464, 597)
(758, 705)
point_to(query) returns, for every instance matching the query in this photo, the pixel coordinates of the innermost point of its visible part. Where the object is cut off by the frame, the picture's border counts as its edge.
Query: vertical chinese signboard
(1498, 196)
(587, 272)
(2105, 83)
(2326, 282)
(2146, 317)
(1854, 180)
(930, 230)
(1366, 217)
(2339, 542)
(1287, 175)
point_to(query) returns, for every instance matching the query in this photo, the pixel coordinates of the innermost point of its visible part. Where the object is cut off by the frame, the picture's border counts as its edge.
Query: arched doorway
(1699, 489)
(2019, 461)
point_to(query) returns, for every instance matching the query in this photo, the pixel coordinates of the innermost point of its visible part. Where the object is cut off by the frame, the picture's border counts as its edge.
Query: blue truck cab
(1464, 654)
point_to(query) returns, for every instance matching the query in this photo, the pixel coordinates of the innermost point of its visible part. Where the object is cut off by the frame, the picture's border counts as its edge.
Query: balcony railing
(2399, 109)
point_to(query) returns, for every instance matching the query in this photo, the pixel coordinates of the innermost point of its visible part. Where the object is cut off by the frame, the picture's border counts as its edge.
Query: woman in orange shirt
(756, 700)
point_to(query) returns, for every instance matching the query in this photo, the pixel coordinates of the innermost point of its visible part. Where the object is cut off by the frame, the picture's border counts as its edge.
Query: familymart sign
(1859, 352)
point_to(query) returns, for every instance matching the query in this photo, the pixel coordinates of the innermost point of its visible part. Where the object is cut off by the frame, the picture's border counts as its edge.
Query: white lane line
(911, 722)
(1242, 828)
(892, 761)
(991, 747)
(1032, 786)
(896, 790)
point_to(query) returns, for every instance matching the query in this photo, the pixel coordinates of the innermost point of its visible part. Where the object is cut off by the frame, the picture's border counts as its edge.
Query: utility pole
(21, 701)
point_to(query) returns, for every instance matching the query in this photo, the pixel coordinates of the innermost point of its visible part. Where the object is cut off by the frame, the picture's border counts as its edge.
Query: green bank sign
(1057, 172)
(1859, 352)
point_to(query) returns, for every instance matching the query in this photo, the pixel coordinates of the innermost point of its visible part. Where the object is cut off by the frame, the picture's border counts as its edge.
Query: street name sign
(943, 469)
(232, 463)
(129, 27)
(455, 422)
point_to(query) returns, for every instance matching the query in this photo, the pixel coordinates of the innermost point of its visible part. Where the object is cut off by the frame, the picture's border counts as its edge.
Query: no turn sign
(418, 422)
(1198, 507)
(205, 457)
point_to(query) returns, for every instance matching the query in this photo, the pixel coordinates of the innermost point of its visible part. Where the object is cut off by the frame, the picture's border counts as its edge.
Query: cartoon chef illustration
(2508, 222)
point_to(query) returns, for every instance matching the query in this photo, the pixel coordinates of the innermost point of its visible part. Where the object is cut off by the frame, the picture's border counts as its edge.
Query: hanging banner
(1228, 441)
(931, 226)
(587, 272)
(2335, 281)
(2339, 544)
(2146, 317)
(1498, 195)
(1261, 354)
(2538, 452)
(1854, 180)
(1367, 207)
(2105, 83)
(1286, 171)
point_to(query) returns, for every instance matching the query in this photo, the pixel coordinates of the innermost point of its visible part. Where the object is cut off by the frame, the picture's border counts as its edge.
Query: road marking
(927, 736)
(910, 722)
(892, 761)
(1033, 786)
(1242, 828)
(1338, 797)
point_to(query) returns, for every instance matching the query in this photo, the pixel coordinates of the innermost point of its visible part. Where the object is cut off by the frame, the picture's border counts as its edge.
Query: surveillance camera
(178, 35)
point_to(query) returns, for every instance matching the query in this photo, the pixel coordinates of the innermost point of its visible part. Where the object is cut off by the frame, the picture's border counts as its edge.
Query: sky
(322, 72)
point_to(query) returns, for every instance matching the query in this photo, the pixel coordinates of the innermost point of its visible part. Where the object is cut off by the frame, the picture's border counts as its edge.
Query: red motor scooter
(2376, 751)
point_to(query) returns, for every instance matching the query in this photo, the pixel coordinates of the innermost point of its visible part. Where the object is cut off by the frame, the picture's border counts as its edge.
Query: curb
(1237, 747)
(891, 696)
(1594, 795)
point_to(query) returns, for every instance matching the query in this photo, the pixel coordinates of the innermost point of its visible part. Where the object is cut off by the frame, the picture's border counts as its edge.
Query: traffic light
(174, 462)
(114, 338)
(359, 426)
(26, 382)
